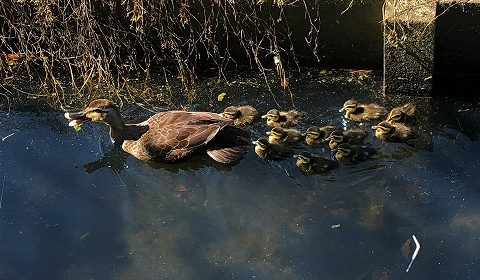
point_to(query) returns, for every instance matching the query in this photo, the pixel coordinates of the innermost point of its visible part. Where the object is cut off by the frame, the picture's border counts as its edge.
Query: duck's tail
(229, 145)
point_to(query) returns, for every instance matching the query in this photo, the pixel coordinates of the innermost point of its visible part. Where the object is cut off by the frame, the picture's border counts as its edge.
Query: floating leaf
(335, 226)
(77, 127)
(221, 96)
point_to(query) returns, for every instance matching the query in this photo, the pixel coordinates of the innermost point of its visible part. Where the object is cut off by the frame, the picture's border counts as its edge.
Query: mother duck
(168, 136)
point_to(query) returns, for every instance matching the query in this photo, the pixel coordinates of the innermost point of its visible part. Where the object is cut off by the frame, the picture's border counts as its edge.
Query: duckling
(284, 135)
(266, 150)
(241, 115)
(276, 118)
(316, 136)
(403, 114)
(352, 136)
(350, 154)
(312, 163)
(362, 112)
(392, 132)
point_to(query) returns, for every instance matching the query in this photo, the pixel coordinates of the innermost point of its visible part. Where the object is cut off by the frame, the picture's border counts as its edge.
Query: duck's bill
(374, 127)
(76, 118)
(341, 110)
(264, 116)
(254, 142)
(296, 156)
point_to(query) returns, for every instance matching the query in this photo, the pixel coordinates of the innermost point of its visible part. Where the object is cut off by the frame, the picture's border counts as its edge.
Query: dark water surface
(253, 220)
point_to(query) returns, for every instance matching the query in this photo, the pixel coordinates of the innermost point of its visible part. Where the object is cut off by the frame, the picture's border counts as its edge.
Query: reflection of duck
(284, 135)
(313, 163)
(241, 115)
(392, 132)
(362, 112)
(267, 150)
(349, 154)
(352, 136)
(168, 136)
(403, 114)
(316, 136)
(276, 118)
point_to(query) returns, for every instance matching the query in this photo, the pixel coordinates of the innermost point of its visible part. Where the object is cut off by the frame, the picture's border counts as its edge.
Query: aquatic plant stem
(415, 253)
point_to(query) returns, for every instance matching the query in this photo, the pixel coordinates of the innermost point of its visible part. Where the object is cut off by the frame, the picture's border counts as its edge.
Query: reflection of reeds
(78, 50)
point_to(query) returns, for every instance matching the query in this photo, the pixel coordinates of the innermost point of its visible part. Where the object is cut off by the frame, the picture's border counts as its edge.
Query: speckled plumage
(170, 136)
(362, 112)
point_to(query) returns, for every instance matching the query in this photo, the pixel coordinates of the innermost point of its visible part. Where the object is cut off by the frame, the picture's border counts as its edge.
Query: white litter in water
(415, 253)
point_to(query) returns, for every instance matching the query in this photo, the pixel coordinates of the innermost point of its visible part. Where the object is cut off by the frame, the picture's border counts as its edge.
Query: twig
(417, 244)
(5, 138)
(1, 194)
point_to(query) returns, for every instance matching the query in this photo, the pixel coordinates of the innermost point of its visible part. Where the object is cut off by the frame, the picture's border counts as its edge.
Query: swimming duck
(284, 135)
(316, 136)
(403, 114)
(168, 136)
(362, 112)
(312, 163)
(276, 118)
(241, 115)
(350, 154)
(392, 132)
(352, 136)
(267, 150)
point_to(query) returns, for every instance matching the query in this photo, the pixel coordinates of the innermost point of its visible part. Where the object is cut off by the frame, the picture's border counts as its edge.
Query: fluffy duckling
(241, 115)
(350, 154)
(392, 132)
(266, 150)
(403, 114)
(352, 136)
(276, 118)
(280, 135)
(312, 163)
(362, 112)
(316, 136)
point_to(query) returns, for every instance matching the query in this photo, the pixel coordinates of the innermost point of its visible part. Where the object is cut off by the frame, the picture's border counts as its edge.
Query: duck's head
(335, 138)
(383, 128)
(99, 110)
(303, 158)
(261, 144)
(349, 106)
(272, 115)
(343, 150)
(314, 132)
(277, 133)
(231, 112)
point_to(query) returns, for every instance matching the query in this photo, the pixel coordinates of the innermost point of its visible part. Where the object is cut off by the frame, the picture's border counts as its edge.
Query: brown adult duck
(402, 114)
(362, 112)
(276, 118)
(350, 154)
(316, 136)
(267, 150)
(284, 135)
(352, 136)
(393, 132)
(241, 115)
(312, 163)
(168, 136)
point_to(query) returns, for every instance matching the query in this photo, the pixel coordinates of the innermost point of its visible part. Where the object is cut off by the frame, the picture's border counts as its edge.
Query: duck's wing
(184, 118)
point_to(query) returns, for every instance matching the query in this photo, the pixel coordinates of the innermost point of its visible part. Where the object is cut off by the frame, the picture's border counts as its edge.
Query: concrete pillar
(409, 30)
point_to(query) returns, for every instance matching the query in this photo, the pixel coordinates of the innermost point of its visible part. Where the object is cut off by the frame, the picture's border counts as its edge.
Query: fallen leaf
(221, 96)
(181, 188)
(405, 248)
(77, 127)
(12, 56)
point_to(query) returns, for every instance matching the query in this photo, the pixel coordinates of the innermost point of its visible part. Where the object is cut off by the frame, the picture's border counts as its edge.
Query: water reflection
(255, 219)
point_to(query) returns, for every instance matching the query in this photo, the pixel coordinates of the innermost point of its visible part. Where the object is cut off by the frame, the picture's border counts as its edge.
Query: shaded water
(253, 220)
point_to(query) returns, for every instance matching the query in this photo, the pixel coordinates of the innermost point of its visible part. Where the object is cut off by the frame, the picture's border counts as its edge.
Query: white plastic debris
(415, 253)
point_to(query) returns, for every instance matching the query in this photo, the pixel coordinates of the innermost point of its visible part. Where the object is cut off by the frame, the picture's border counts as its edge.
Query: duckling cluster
(348, 146)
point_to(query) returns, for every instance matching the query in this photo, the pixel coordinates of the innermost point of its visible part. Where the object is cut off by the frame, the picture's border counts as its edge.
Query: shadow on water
(70, 210)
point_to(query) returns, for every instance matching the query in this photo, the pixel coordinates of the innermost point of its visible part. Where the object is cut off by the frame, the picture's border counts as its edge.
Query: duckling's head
(99, 110)
(272, 115)
(231, 112)
(261, 144)
(349, 106)
(383, 128)
(395, 115)
(303, 158)
(314, 132)
(277, 134)
(343, 150)
(335, 138)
